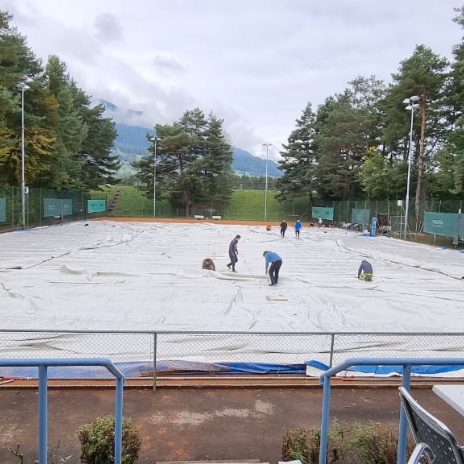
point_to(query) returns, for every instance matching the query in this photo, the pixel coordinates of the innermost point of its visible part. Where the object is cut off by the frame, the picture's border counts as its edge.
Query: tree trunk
(186, 202)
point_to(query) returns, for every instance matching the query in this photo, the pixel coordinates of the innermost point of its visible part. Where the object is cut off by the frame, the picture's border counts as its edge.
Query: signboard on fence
(57, 207)
(96, 206)
(2, 209)
(322, 212)
(442, 224)
(360, 216)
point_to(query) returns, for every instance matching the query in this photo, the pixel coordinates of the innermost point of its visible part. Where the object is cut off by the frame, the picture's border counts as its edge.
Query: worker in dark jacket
(365, 271)
(273, 262)
(233, 252)
(283, 228)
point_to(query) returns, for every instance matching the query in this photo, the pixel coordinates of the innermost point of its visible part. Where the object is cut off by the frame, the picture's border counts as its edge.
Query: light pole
(23, 87)
(267, 145)
(412, 103)
(155, 140)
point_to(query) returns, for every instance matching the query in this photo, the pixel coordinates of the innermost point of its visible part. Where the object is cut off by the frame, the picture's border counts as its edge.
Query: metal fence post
(155, 346)
(332, 344)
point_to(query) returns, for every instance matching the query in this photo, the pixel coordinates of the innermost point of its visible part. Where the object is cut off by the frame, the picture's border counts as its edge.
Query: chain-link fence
(150, 354)
(41, 207)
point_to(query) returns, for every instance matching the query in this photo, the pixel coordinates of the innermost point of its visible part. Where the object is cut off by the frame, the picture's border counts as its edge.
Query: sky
(254, 63)
(147, 276)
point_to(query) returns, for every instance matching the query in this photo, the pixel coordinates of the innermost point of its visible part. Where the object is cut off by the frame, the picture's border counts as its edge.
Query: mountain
(246, 163)
(131, 144)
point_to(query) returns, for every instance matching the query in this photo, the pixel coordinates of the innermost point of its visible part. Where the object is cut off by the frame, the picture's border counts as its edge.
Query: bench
(216, 218)
(199, 216)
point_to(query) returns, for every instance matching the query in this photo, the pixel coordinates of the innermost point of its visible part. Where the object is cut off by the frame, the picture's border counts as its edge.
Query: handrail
(42, 365)
(406, 363)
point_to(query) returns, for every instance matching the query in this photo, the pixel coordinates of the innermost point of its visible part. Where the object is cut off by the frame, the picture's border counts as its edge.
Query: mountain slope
(131, 143)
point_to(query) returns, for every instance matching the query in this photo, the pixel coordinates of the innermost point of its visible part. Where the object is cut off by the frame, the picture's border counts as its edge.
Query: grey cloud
(167, 65)
(108, 28)
(254, 63)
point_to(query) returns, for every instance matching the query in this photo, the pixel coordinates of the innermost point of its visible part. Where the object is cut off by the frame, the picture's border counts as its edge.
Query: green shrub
(370, 443)
(97, 441)
(374, 443)
(301, 444)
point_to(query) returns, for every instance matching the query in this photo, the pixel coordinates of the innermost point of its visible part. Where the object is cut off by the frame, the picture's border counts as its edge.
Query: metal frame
(406, 364)
(42, 365)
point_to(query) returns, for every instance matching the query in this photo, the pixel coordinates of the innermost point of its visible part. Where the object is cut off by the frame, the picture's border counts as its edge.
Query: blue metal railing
(43, 365)
(406, 364)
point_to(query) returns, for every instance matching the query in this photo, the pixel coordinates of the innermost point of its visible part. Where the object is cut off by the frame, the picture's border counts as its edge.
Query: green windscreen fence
(57, 207)
(2, 209)
(360, 216)
(322, 212)
(443, 224)
(96, 206)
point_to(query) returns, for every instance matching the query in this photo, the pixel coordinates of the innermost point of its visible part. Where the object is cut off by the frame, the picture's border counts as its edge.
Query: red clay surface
(191, 424)
(188, 220)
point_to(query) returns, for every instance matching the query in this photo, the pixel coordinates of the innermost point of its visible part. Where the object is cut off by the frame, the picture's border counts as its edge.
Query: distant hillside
(246, 163)
(131, 143)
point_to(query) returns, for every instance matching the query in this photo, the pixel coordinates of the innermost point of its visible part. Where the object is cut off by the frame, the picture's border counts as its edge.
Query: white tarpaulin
(148, 276)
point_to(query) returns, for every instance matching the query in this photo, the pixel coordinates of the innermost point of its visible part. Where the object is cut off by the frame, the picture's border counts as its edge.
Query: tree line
(67, 142)
(356, 144)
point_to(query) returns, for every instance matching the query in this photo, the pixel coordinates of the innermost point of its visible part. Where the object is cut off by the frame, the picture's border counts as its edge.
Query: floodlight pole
(23, 87)
(412, 104)
(267, 145)
(155, 140)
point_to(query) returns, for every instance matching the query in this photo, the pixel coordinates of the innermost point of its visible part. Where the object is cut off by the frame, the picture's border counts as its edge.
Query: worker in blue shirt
(298, 226)
(273, 262)
(365, 271)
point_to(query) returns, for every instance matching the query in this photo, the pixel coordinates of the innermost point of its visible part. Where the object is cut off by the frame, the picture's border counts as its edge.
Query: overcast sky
(254, 63)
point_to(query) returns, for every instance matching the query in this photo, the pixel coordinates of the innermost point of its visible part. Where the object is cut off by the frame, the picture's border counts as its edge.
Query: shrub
(370, 443)
(301, 444)
(97, 441)
(374, 443)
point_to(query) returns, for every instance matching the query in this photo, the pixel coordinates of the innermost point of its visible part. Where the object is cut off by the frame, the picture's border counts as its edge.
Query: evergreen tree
(299, 160)
(193, 162)
(17, 62)
(100, 165)
(342, 142)
(424, 75)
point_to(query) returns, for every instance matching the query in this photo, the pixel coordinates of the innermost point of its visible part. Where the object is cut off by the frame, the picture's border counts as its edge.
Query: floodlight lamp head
(414, 98)
(23, 86)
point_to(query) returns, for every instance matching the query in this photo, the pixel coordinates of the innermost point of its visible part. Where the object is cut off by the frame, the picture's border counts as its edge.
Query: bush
(97, 441)
(370, 443)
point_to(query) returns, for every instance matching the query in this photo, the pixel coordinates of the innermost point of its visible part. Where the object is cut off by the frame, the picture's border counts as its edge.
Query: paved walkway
(193, 424)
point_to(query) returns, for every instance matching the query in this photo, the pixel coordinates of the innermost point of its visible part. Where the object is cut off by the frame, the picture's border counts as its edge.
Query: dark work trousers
(233, 259)
(274, 271)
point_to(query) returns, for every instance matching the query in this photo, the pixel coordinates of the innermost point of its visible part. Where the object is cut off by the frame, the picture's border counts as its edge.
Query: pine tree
(299, 159)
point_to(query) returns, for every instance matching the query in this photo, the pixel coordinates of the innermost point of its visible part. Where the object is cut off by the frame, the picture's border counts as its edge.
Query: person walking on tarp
(298, 227)
(273, 262)
(283, 228)
(365, 271)
(233, 253)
